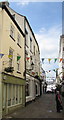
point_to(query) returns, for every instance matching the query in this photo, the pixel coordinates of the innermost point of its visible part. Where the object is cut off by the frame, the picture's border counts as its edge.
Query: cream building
(12, 63)
(32, 64)
(32, 57)
(22, 55)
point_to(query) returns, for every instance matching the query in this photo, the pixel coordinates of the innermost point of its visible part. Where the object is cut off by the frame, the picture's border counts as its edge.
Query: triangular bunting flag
(27, 58)
(1, 55)
(18, 57)
(49, 59)
(43, 60)
(54, 70)
(55, 60)
(60, 59)
(10, 56)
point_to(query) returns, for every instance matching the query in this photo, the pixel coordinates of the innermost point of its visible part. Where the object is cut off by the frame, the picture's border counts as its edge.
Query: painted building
(60, 71)
(32, 57)
(12, 63)
(32, 64)
(42, 77)
(20, 64)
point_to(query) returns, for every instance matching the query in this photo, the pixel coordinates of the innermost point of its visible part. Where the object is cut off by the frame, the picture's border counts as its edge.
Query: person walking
(58, 102)
(45, 86)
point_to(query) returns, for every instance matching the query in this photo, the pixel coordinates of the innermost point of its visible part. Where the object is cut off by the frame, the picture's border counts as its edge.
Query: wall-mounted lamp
(32, 67)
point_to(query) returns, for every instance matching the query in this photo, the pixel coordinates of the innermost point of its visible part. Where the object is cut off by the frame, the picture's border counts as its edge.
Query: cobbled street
(42, 107)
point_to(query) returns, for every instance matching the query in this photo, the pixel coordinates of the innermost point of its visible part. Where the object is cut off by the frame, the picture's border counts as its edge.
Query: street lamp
(32, 67)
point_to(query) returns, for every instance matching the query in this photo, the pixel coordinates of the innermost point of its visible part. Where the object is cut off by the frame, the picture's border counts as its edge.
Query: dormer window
(13, 16)
(12, 31)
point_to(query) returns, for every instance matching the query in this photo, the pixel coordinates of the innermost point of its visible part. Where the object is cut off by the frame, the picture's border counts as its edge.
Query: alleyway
(43, 107)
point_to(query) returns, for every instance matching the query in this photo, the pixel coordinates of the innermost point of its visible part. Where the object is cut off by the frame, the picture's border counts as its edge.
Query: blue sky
(45, 19)
(40, 14)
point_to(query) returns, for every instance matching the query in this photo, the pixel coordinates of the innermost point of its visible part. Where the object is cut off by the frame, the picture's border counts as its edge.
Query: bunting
(10, 56)
(27, 58)
(54, 70)
(51, 70)
(43, 60)
(60, 59)
(33, 73)
(1, 55)
(55, 60)
(49, 59)
(18, 58)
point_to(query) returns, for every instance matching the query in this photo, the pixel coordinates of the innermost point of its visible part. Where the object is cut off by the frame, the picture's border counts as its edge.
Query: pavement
(42, 107)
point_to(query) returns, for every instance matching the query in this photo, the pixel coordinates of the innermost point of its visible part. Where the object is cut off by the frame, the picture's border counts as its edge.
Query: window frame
(19, 40)
(30, 44)
(12, 31)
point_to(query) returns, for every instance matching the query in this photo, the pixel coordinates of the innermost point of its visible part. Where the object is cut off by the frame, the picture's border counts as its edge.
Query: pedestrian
(45, 86)
(58, 102)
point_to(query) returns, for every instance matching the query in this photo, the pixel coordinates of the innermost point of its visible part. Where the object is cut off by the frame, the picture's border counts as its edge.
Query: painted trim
(12, 75)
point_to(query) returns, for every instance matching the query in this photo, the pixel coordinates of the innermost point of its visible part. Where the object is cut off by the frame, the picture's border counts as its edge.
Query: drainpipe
(25, 55)
(1, 30)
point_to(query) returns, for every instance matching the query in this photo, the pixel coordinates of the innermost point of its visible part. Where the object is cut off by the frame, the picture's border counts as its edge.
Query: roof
(28, 25)
(8, 12)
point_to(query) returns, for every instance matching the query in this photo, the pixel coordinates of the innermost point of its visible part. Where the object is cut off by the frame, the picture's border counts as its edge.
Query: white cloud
(26, 2)
(48, 41)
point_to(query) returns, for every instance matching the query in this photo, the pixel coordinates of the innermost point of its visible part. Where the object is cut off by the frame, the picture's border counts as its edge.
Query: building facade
(20, 61)
(32, 64)
(12, 63)
(32, 58)
(60, 71)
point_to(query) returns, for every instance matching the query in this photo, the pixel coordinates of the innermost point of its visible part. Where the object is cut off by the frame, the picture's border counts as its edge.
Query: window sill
(31, 51)
(19, 72)
(27, 46)
(19, 45)
(12, 37)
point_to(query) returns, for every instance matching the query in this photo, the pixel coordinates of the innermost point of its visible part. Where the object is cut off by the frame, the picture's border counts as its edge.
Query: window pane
(12, 30)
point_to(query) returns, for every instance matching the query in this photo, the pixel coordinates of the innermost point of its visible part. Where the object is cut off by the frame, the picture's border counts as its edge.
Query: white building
(61, 63)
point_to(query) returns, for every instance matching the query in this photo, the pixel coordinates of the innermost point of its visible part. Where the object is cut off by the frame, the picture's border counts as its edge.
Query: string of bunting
(55, 60)
(54, 69)
(10, 56)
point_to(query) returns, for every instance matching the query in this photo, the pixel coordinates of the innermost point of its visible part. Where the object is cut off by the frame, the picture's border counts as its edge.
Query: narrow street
(43, 107)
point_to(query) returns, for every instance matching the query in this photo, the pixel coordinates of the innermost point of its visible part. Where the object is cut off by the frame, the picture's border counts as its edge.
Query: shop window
(9, 94)
(16, 94)
(4, 94)
(27, 89)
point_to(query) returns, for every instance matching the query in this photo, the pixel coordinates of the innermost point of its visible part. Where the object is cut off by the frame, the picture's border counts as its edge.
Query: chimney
(4, 3)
